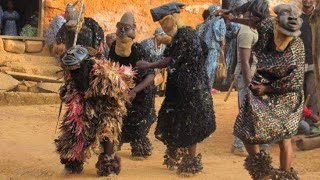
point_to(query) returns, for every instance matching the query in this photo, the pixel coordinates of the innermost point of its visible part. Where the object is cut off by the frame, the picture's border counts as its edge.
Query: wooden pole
(78, 23)
(229, 91)
(306, 144)
(315, 27)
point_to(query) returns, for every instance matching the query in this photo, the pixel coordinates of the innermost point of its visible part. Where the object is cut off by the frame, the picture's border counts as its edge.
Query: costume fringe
(74, 167)
(259, 165)
(173, 156)
(284, 175)
(141, 148)
(71, 143)
(190, 164)
(96, 115)
(107, 165)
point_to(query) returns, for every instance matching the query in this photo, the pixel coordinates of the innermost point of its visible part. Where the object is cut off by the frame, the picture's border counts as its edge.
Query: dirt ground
(27, 150)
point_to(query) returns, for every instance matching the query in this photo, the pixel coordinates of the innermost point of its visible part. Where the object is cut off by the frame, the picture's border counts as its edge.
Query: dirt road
(27, 150)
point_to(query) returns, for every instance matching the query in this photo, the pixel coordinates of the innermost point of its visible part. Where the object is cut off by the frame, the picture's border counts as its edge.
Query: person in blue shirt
(213, 34)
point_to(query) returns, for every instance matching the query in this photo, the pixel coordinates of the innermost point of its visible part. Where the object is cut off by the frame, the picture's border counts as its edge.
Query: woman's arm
(145, 83)
(162, 63)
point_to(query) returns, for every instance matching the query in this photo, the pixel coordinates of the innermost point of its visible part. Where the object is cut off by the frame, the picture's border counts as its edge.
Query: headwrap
(160, 12)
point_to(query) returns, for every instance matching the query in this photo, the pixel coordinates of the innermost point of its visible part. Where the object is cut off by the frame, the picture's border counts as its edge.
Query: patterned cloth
(273, 117)
(53, 29)
(186, 116)
(141, 112)
(242, 91)
(154, 53)
(230, 48)
(213, 33)
(91, 35)
(10, 23)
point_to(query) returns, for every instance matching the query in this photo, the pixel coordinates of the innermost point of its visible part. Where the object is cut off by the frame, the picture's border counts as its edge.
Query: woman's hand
(260, 90)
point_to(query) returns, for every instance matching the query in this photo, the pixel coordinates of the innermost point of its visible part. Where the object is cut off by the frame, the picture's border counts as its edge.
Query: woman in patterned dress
(274, 103)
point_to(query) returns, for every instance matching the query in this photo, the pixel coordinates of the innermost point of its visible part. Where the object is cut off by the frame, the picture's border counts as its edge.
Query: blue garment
(230, 48)
(1, 16)
(10, 26)
(213, 32)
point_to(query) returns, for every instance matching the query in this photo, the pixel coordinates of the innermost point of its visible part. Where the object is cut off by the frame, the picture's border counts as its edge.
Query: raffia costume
(95, 95)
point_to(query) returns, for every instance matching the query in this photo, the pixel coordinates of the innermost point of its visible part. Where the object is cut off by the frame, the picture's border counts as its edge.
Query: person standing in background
(230, 48)
(213, 34)
(1, 16)
(309, 75)
(231, 44)
(54, 27)
(10, 18)
(205, 15)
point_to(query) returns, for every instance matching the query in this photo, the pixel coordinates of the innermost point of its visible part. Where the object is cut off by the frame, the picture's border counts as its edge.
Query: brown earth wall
(108, 12)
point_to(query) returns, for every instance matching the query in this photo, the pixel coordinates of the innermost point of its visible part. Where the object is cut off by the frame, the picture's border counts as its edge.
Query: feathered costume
(95, 96)
(141, 112)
